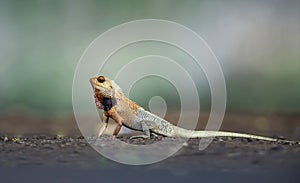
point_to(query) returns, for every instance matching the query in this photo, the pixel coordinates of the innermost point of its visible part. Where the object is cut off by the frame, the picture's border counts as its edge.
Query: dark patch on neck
(108, 103)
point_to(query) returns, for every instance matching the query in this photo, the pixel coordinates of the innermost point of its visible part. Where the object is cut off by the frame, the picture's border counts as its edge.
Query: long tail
(202, 134)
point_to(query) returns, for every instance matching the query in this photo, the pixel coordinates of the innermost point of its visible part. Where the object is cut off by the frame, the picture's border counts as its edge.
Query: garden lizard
(110, 98)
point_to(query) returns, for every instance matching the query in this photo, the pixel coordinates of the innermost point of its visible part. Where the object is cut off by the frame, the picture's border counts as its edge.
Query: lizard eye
(100, 79)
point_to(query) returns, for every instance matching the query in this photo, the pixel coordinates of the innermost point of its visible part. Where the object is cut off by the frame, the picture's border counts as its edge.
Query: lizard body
(109, 97)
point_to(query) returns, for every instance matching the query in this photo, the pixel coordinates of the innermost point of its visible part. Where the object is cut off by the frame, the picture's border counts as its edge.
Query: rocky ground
(61, 154)
(33, 158)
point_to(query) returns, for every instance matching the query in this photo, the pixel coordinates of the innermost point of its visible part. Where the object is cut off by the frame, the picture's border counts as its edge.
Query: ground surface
(52, 158)
(47, 158)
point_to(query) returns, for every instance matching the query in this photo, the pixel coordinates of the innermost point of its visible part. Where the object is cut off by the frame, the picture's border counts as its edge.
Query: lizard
(110, 98)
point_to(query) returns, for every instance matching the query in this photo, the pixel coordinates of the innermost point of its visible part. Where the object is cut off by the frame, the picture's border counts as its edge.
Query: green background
(256, 42)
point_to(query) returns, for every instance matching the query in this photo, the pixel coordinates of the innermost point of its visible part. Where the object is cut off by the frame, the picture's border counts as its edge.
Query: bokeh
(256, 42)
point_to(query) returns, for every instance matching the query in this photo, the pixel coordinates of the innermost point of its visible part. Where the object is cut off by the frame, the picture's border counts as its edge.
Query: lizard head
(102, 85)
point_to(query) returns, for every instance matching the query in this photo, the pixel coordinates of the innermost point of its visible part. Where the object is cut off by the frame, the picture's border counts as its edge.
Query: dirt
(58, 153)
(226, 159)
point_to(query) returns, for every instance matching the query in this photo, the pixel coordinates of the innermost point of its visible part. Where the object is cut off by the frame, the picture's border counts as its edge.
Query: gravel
(235, 156)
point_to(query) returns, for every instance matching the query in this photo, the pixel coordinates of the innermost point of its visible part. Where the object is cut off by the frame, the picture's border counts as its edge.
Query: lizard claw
(154, 135)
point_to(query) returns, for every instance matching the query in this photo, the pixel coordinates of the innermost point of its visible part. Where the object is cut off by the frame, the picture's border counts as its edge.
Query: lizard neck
(120, 96)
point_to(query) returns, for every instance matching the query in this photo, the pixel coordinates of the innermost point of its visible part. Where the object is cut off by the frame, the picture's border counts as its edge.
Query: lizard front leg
(117, 118)
(103, 127)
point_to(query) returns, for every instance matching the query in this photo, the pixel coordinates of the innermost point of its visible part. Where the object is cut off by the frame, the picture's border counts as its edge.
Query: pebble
(234, 154)
(262, 152)
(276, 148)
(185, 144)
(246, 140)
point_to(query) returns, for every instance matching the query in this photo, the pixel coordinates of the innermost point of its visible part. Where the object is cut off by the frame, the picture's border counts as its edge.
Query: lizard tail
(206, 134)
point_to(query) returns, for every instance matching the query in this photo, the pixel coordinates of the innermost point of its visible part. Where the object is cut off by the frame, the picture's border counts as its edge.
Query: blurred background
(256, 42)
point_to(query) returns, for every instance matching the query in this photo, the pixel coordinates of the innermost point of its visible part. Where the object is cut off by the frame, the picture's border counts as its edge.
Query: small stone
(59, 136)
(5, 139)
(185, 144)
(233, 154)
(17, 140)
(246, 140)
(80, 137)
(14, 139)
(48, 147)
(276, 148)
(220, 139)
(76, 152)
(261, 153)
(20, 142)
